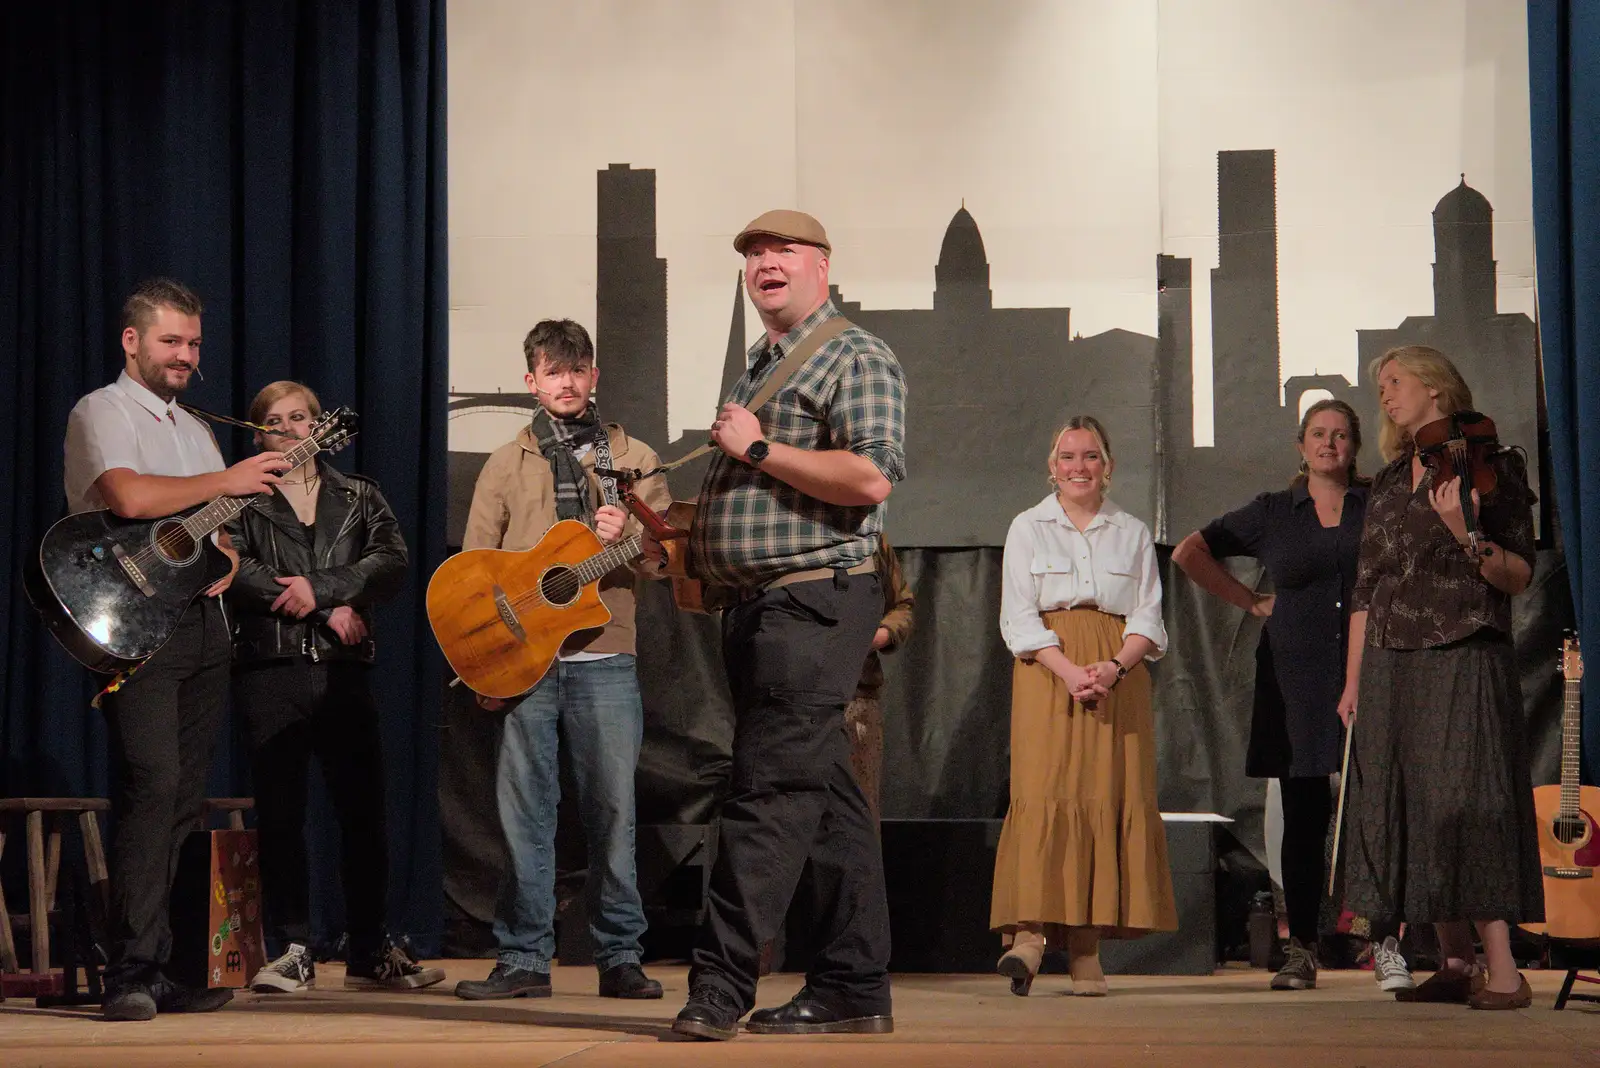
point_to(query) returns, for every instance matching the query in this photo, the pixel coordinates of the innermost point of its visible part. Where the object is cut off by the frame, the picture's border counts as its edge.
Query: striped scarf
(558, 440)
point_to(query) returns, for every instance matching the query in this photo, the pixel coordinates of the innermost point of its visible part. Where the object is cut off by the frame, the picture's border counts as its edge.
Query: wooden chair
(44, 869)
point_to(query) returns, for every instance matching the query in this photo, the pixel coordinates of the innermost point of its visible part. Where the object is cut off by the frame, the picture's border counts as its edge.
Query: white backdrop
(1082, 135)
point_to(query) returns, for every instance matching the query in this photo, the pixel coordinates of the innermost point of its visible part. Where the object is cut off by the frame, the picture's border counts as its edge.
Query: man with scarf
(586, 710)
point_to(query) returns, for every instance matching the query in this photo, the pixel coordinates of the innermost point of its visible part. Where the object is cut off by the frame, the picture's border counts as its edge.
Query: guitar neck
(1571, 747)
(224, 509)
(610, 558)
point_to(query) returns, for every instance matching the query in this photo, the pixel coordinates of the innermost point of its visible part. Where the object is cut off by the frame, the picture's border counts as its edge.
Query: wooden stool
(235, 807)
(44, 868)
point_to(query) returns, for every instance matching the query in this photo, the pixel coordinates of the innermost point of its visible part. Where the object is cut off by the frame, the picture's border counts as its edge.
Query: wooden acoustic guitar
(1569, 847)
(502, 615)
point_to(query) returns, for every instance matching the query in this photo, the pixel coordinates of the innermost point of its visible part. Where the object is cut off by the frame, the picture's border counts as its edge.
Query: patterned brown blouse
(1415, 580)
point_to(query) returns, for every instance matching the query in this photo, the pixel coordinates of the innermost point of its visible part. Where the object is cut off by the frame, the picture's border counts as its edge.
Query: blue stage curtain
(285, 159)
(1564, 74)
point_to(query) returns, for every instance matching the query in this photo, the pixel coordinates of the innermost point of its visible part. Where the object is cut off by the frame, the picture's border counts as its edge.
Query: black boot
(805, 1015)
(711, 1013)
(506, 982)
(628, 981)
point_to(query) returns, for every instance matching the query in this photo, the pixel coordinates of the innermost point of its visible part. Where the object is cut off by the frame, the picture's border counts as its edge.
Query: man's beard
(155, 378)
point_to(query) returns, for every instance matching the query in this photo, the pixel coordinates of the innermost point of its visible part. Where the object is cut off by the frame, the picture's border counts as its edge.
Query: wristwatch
(757, 453)
(1122, 672)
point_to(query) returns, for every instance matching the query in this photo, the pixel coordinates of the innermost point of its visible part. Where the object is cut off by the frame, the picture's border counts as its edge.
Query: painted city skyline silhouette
(988, 385)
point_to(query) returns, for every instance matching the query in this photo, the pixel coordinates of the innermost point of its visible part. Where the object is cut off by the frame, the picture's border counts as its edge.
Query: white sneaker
(292, 972)
(1389, 967)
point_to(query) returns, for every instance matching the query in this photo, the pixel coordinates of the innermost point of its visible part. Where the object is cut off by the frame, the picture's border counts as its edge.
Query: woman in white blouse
(1082, 854)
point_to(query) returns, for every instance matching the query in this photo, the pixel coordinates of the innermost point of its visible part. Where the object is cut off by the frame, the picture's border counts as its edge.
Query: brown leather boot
(1020, 963)
(1083, 962)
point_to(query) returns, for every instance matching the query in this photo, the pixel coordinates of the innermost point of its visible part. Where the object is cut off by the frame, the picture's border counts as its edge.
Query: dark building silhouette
(630, 304)
(1496, 353)
(1174, 382)
(1256, 417)
(1244, 309)
(1250, 442)
(988, 385)
(686, 480)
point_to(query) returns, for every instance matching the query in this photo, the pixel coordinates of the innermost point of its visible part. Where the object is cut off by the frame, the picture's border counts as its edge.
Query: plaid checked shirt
(752, 528)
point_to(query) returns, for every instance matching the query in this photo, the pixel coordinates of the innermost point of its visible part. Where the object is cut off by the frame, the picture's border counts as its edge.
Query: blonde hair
(1436, 372)
(274, 392)
(1092, 425)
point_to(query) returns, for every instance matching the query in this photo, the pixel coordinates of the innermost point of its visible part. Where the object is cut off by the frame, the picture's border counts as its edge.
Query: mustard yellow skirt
(1083, 843)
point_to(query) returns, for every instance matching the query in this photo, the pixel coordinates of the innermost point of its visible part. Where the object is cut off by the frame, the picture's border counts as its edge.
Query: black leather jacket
(353, 555)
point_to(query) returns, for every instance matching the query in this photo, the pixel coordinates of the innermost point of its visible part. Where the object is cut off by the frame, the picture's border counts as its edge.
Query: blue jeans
(591, 711)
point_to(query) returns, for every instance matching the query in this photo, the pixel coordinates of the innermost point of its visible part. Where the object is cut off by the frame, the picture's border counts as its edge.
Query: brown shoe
(1484, 998)
(1445, 986)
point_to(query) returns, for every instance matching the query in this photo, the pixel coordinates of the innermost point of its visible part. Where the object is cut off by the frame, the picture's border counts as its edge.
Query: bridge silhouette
(472, 403)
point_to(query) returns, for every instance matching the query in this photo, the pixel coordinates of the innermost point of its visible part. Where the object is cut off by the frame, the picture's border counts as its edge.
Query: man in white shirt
(132, 449)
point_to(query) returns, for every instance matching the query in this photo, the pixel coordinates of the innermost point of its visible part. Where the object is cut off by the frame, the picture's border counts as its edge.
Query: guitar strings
(172, 540)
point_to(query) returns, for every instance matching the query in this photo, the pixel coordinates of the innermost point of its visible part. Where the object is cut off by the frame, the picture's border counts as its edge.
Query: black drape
(1564, 107)
(286, 160)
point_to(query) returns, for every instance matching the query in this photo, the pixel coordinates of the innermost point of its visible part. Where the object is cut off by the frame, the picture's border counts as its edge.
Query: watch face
(758, 451)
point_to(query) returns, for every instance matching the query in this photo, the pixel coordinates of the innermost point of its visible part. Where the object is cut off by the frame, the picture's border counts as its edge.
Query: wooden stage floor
(1227, 1019)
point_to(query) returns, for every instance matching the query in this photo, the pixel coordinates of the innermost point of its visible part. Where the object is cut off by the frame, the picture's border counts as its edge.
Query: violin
(1461, 445)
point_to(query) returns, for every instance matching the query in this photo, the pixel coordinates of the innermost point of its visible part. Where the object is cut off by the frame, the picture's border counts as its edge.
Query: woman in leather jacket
(313, 560)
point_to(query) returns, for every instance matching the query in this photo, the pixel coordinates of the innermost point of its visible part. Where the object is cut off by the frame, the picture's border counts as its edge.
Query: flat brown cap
(785, 224)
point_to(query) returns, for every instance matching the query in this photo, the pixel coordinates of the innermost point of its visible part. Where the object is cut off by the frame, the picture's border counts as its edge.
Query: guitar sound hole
(173, 544)
(1568, 829)
(560, 586)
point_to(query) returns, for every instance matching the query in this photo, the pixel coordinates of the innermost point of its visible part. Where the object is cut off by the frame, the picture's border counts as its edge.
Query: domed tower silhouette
(1463, 252)
(961, 277)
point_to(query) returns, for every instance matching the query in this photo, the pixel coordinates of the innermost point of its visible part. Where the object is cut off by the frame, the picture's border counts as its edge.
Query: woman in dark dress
(1307, 537)
(1440, 814)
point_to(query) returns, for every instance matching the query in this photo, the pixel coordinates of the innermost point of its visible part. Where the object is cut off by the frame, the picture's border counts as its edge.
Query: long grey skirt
(1439, 817)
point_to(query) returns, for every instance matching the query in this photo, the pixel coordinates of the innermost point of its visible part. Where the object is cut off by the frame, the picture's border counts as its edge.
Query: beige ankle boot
(1083, 961)
(1020, 963)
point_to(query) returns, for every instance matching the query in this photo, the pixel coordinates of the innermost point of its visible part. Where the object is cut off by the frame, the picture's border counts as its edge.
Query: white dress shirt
(125, 425)
(1049, 564)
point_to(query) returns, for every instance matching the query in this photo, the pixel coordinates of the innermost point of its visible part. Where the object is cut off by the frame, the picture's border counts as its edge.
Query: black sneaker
(289, 974)
(711, 1013)
(129, 1001)
(172, 996)
(1299, 971)
(392, 969)
(804, 1014)
(506, 982)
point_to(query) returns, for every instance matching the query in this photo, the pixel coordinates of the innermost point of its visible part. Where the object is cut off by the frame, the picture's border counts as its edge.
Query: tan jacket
(514, 505)
(897, 605)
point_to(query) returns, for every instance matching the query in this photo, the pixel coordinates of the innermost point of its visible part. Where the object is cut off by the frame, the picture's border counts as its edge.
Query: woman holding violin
(1440, 811)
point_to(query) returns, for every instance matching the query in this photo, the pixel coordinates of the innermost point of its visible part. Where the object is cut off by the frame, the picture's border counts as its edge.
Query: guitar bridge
(132, 570)
(508, 615)
(1552, 871)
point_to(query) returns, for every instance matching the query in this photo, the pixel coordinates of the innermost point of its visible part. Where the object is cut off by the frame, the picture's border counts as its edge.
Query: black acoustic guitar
(112, 590)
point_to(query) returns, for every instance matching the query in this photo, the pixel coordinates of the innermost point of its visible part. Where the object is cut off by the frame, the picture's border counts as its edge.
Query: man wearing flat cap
(791, 514)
